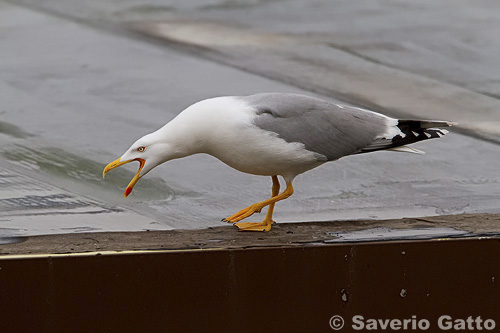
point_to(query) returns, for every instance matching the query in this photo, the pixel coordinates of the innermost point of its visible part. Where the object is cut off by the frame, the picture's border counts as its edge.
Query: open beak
(117, 163)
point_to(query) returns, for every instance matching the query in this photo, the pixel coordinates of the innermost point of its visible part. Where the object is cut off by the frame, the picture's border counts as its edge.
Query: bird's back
(335, 130)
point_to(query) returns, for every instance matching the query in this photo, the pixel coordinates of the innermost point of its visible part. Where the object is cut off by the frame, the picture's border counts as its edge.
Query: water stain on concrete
(11, 240)
(148, 11)
(28, 204)
(387, 234)
(82, 172)
(13, 131)
(37, 202)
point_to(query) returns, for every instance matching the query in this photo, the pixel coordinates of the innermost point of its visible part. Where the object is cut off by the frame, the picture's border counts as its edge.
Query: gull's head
(183, 136)
(149, 151)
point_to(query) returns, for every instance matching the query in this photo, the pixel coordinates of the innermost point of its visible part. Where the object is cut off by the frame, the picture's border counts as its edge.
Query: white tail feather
(406, 149)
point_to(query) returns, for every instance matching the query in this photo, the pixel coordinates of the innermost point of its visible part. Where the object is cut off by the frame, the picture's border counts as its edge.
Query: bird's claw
(244, 213)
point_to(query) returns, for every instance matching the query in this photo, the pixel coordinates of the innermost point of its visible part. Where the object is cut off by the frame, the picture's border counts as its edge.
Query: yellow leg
(275, 192)
(266, 224)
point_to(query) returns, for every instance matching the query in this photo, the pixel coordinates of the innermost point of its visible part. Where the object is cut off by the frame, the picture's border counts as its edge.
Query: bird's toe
(254, 226)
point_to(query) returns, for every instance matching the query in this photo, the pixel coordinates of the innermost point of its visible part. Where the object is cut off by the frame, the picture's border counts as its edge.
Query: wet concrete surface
(428, 59)
(31, 206)
(76, 94)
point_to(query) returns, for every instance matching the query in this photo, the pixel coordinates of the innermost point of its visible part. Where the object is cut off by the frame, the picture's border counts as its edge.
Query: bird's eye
(141, 149)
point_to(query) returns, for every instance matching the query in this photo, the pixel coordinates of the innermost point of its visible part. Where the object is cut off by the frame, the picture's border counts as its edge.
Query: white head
(151, 150)
(185, 135)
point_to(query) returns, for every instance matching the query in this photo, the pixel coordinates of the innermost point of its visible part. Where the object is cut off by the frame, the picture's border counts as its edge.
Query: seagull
(273, 134)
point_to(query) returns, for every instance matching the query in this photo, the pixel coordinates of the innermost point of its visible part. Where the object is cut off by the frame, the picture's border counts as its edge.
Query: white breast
(224, 128)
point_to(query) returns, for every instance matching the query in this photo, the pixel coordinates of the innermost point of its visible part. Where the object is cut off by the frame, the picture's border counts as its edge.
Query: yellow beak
(117, 163)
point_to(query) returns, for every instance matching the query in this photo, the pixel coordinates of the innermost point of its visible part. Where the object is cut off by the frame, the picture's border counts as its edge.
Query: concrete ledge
(282, 234)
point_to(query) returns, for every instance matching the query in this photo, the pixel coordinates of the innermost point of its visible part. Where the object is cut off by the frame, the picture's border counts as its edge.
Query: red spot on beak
(128, 190)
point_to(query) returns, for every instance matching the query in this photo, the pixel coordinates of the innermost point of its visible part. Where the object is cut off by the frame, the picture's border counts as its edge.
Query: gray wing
(324, 128)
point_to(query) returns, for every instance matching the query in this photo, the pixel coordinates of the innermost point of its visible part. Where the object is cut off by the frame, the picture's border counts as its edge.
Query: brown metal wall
(295, 289)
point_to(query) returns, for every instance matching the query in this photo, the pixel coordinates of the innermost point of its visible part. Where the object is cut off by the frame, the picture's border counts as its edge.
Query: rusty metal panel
(287, 289)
